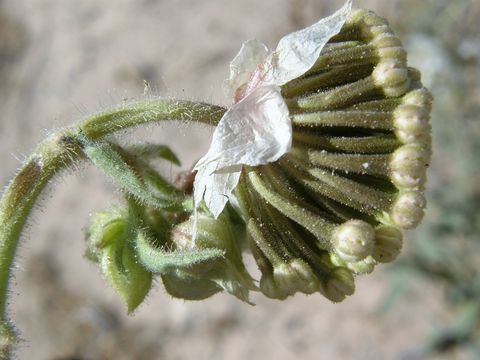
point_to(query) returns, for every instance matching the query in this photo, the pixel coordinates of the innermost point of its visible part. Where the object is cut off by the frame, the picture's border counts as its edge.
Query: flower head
(323, 153)
(325, 150)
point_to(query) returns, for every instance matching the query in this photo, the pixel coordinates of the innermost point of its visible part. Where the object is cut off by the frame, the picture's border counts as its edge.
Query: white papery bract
(297, 52)
(257, 130)
(258, 122)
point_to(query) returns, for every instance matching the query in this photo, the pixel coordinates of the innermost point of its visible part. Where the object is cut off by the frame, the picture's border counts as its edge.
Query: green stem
(60, 151)
(140, 113)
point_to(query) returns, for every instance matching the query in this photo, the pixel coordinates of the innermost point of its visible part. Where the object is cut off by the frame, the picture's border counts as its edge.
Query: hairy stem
(59, 152)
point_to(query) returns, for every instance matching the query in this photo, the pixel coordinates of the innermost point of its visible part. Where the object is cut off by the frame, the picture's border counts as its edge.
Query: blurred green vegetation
(443, 39)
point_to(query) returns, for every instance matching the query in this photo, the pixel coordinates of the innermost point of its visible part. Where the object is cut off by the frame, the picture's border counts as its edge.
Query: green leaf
(109, 246)
(147, 150)
(160, 261)
(184, 286)
(105, 157)
(105, 229)
(159, 184)
(130, 280)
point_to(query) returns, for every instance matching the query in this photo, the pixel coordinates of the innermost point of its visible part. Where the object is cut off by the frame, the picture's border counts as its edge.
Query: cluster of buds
(332, 205)
(335, 204)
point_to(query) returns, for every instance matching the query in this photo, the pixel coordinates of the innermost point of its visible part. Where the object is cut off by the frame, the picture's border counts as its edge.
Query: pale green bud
(270, 289)
(408, 209)
(353, 240)
(337, 260)
(369, 23)
(392, 77)
(109, 246)
(295, 276)
(338, 285)
(355, 16)
(363, 267)
(386, 40)
(389, 47)
(184, 286)
(289, 278)
(419, 97)
(228, 272)
(411, 123)
(388, 244)
(374, 31)
(372, 19)
(409, 166)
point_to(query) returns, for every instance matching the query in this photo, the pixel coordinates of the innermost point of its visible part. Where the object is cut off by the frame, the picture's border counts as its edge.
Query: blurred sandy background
(63, 59)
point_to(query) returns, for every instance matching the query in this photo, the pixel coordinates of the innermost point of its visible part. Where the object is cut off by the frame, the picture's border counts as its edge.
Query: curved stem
(59, 152)
(148, 111)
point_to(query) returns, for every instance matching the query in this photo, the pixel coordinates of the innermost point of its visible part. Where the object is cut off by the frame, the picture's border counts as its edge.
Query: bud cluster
(334, 206)
(331, 208)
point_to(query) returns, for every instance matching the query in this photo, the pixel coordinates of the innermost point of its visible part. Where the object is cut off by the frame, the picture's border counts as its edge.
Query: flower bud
(353, 240)
(289, 278)
(183, 286)
(407, 211)
(392, 77)
(372, 19)
(228, 273)
(419, 97)
(338, 285)
(388, 243)
(415, 75)
(386, 40)
(409, 166)
(389, 47)
(211, 234)
(363, 267)
(411, 123)
(393, 53)
(373, 31)
(303, 276)
(337, 260)
(369, 23)
(356, 16)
